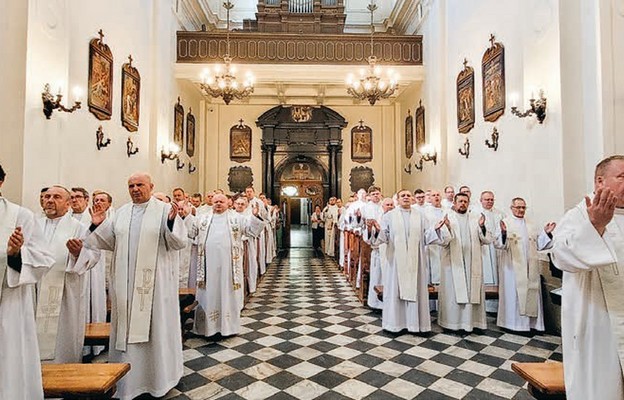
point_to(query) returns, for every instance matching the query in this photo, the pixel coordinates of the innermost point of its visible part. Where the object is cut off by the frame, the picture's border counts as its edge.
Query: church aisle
(306, 336)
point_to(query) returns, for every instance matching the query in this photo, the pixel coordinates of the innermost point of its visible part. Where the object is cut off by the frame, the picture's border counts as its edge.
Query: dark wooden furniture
(82, 381)
(545, 379)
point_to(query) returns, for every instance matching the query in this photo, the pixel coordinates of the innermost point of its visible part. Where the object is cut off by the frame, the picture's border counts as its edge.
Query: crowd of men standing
(60, 264)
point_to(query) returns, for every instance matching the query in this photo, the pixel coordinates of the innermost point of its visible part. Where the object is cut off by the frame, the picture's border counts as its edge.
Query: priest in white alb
(145, 236)
(373, 211)
(220, 286)
(589, 248)
(461, 296)
(519, 288)
(61, 304)
(330, 212)
(24, 259)
(405, 294)
(249, 245)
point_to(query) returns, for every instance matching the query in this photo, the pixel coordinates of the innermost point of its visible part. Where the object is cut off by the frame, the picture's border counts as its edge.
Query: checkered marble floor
(305, 336)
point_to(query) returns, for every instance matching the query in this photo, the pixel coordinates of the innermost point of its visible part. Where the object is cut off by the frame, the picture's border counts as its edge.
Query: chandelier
(371, 84)
(225, 84)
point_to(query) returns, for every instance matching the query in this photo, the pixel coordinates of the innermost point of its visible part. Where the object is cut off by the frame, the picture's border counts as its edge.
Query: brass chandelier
(371, 85)
(225, 85)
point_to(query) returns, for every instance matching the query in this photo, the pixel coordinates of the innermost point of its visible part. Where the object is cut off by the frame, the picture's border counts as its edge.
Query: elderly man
(520, 294)
(406, 298)
(373, 211)
(24, 259)
(61, 306)
(255, 202)
(330, 212)
(589, 248)
(461, 294)
(220, 293)
(249, 243)
(145, 236)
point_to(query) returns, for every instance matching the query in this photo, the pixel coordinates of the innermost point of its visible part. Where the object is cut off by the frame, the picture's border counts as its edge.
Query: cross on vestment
(492, 39)
(214, 316)
(54, 301)
(146, 288)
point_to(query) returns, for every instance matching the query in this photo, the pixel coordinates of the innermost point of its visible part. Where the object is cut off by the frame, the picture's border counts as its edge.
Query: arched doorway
(306, 135)
(302, 183)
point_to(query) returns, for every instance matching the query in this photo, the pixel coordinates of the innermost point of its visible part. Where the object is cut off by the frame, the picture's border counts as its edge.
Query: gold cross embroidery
(146, 288)
(54, 301)
(214, 316)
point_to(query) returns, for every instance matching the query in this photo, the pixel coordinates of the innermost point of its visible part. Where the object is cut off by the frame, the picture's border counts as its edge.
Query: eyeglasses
(519, 207)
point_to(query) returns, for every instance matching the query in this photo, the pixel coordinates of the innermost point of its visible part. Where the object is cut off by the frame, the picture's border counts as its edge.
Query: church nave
(305, 336)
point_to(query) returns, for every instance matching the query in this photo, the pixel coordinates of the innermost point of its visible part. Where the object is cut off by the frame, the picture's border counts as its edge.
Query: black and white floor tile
(306, 336)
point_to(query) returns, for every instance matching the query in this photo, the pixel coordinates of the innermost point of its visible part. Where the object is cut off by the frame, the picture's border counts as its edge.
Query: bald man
(145, 236)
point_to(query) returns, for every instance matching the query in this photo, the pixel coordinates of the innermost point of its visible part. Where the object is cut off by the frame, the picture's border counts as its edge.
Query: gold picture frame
(409, 135)
(240, 142)
(100, 85)
(361, 143)
(465, 99)
(130, 96)
(493, 67)
(178, 124)
(421, 138)
(190, 133)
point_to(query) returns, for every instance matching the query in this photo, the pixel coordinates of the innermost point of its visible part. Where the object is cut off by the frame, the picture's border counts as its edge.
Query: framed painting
(361, 143)
(493, 65)
(420, 126)
(409, 135)
(130, 96)
(178, 124)
(100, 85)
(190, 133)
(465, 99)
(240, 142)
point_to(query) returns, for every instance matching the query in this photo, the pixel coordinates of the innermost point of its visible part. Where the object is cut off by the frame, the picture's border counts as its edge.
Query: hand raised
(376, 225)
(549, 227)
(173, 211)
(16, 241)
(74, 246)
(600, 210)
(98, 214)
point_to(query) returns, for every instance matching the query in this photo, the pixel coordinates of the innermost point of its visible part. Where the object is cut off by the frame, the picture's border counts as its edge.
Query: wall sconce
(428, 153)
(191, 168)
(465, 149)
(99, 138)
(50, 104)
(130, 149)
(494, 144)
(172, 154)
(408, 168)
(538, 107)
(179, 164)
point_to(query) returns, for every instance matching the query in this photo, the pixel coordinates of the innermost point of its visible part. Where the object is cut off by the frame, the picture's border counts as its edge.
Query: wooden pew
(365, 257)
(97, 334)
(491, 292)
(82, 381)
(545, 379)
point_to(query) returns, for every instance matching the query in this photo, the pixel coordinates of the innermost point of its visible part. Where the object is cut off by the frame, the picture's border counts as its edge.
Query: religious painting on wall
(178, 124)
(420, 126)
(240, 142)
(190, 133)
(361, 178)
(100, 86)
(130, 96)
(361, 143)
(239, 178)
(409, 135)
(465, 99)
(493, 65)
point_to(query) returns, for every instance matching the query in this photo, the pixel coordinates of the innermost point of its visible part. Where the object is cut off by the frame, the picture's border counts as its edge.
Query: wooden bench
(491, 292)
(97, 334)
(82, 381)
(545, 379)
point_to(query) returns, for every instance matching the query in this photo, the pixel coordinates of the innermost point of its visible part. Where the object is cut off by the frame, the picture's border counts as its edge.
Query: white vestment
(461, 297)
(156, 360)
(592, 305)
(261, 241)
(96, 287)
(185, 257)
(519, 287)
(221, 293)
(405, 294)
(434, 253)
(330, 212)
(20, 366)
(61, 293)
(374, 211)
(341, 242)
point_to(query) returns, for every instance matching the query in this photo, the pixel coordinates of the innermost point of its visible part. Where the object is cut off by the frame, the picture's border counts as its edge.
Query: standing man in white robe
(145, 236)
(378, 261)
(419, 199)
(24, 259)
(207, 206)
(489, 253)
(220, 271)
(519, 288)
(61, 304)
(249, 243)
(461, 296)
(405, 294)
(255, 202)
(589, 248)
(449, 196)
(330, 212)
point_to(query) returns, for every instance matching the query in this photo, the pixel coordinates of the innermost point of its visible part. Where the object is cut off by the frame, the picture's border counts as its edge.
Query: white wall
(62, 149)
(528, 162)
